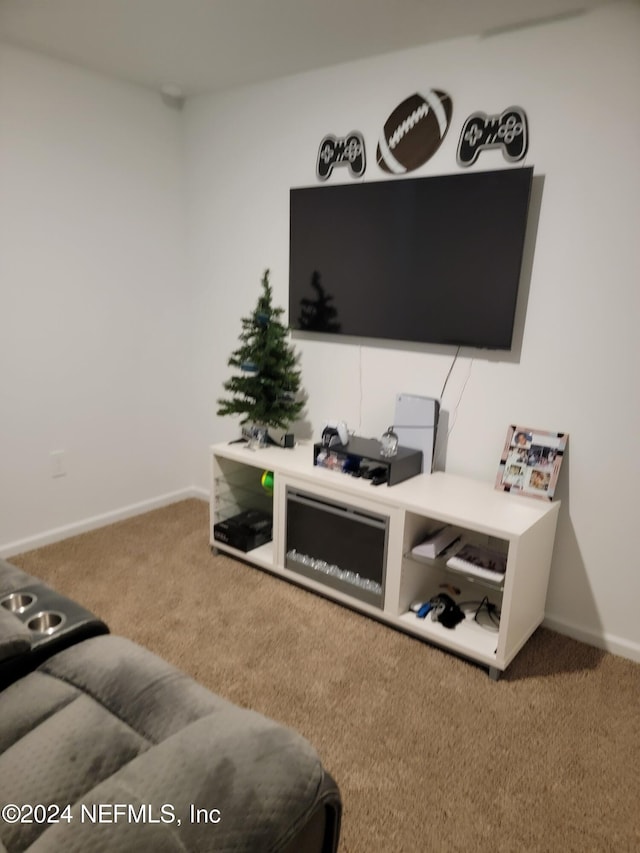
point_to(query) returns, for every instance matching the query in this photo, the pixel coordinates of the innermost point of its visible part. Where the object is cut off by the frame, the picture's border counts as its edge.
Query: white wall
(93, 298)
(576, 363)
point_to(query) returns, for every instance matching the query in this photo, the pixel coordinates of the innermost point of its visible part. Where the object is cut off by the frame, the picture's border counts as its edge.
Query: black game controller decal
(341, 151)
(508, 131)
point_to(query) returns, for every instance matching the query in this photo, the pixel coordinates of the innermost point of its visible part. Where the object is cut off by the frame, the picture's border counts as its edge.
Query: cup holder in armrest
(46, 622)
(18, 602)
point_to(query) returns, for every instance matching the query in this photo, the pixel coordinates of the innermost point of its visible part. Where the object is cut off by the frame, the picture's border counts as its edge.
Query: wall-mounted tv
(435, 260)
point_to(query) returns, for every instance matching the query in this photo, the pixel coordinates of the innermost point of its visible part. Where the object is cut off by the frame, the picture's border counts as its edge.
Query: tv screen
(434, 260)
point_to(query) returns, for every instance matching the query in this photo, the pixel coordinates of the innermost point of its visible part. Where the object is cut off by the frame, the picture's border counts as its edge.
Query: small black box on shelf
(245, 531)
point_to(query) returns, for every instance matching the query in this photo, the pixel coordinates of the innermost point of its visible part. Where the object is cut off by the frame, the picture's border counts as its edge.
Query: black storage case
(361, 455)
(245, 531)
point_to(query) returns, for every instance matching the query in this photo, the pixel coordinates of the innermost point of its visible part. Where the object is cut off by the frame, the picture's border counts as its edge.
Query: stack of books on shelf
(480, 562)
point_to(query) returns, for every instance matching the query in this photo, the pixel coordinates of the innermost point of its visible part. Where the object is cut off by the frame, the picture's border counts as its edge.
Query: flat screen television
(434, 260)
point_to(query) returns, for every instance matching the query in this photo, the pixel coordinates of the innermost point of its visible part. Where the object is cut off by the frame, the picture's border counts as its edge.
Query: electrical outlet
(58, 463)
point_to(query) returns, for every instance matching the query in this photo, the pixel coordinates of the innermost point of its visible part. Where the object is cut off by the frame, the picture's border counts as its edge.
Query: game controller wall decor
(341, 151)
(508, 130)
(414, 131)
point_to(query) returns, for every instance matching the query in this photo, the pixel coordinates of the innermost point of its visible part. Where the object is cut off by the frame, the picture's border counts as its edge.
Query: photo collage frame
(530, 462)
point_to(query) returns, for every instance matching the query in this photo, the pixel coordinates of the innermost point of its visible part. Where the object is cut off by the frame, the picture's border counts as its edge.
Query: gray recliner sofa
(105, 746)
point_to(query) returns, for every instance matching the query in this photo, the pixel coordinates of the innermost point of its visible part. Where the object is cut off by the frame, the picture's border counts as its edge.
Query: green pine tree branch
(266, 390)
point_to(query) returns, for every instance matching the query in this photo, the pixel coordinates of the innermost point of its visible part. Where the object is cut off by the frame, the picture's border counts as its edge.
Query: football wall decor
(508, 130)
(414, 131)
(341, 151)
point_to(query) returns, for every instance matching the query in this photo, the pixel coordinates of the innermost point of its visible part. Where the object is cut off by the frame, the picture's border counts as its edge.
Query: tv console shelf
(523, 528)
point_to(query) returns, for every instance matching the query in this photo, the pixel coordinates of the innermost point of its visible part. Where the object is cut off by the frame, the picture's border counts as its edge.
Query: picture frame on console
(530, 462)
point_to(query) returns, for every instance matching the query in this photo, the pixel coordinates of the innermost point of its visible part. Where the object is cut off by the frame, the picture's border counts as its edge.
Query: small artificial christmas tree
(264, 391)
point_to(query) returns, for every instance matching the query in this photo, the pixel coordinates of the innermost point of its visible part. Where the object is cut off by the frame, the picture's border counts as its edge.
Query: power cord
(455, 358)
(441, 444)
(485, 613)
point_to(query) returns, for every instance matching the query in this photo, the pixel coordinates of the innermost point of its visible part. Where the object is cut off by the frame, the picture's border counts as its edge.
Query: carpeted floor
(429, 753)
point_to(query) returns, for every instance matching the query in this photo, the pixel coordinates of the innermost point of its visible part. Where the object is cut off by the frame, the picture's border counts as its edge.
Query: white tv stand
(524, 528)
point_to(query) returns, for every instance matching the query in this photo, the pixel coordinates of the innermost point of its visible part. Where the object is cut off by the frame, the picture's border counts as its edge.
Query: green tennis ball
(267, 481)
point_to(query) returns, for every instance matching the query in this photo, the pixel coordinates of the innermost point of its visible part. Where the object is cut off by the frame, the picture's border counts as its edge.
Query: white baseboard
(57, 534)
(608, 642)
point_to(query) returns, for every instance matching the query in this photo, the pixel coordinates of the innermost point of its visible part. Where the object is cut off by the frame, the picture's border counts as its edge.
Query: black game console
(245, 531)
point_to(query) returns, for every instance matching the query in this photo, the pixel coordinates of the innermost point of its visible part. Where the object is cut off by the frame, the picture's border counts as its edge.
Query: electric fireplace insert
(338, 545)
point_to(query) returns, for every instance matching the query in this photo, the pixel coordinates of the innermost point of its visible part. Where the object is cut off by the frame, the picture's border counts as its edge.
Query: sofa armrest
(149, 760)
(321, 833)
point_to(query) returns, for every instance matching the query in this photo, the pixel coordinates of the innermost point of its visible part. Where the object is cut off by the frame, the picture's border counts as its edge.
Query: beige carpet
(429, 753)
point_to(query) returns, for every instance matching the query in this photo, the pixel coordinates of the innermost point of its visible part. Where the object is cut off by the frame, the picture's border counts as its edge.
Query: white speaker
(415, 423)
